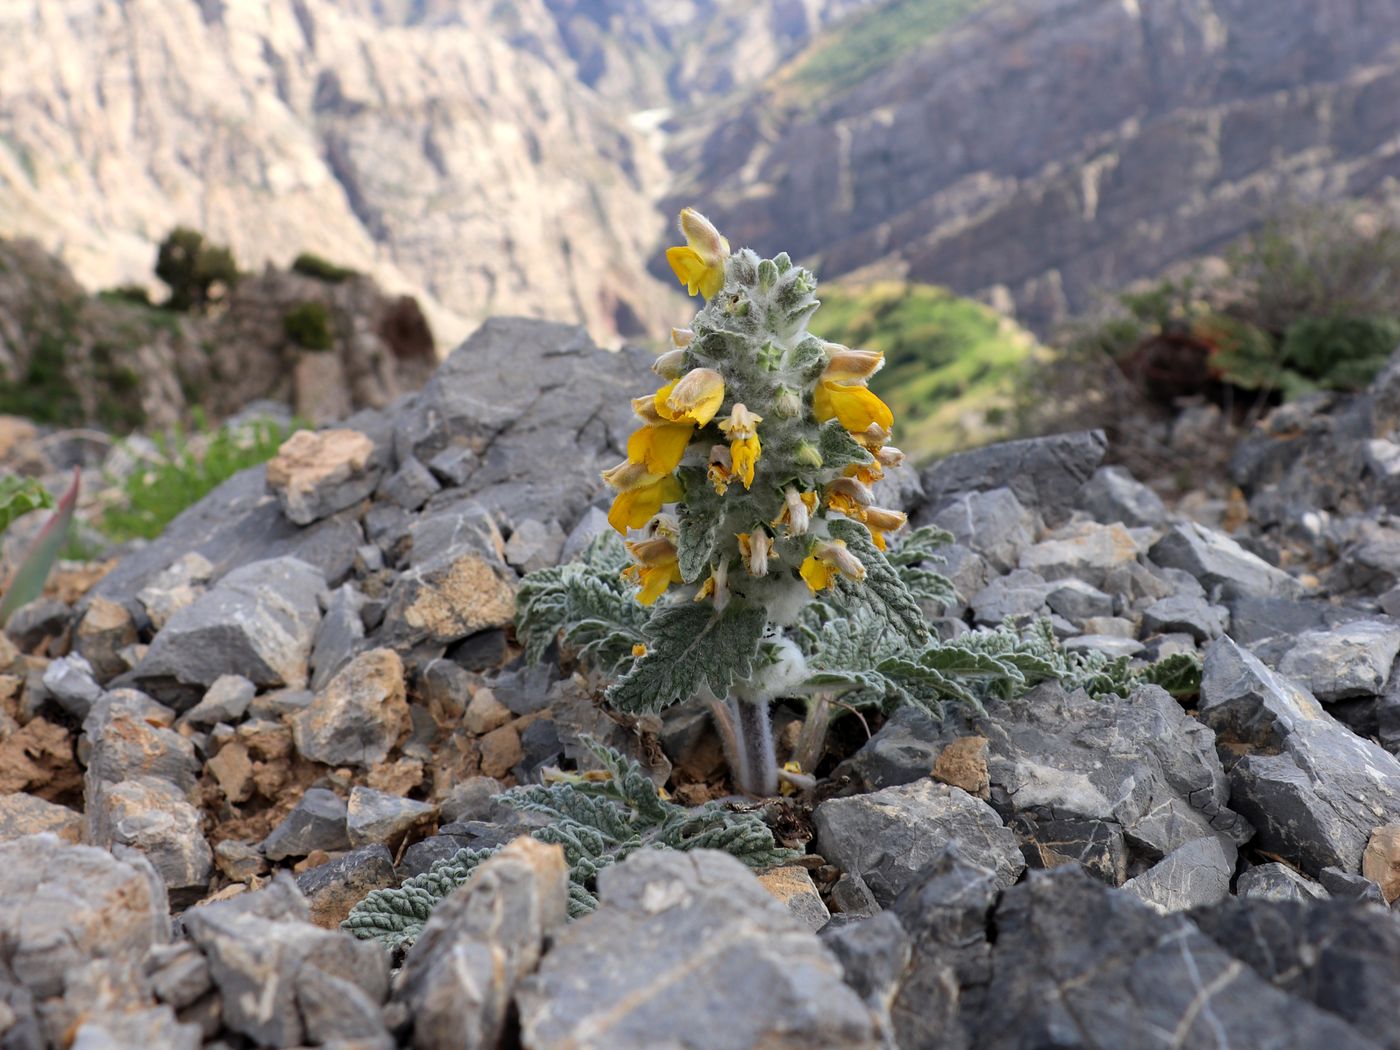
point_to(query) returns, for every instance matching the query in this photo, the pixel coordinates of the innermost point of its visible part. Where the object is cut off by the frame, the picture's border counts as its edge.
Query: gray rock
(237, 524)
(1278, 882)
(903, 750)
(852, 897)
(1077, 601)
(1253, 619)
(333, 888)
(1111, 645)
(239, 860)
(424, 853)
(360, 714)
(153, 1027)
(1050, 841)
(33, 622)
(454, 466)
(22, 814)
(461, 974)
(1161, 646)
(1349, 886)
(63, 905)
(1019, 595)
(449, 595)
(339, 634)
(317, 473)
(105, 630)
(534, 545)
(593, 524)
(1077, 963)
(994, 524)
(157, 818)
(71, 683)
(473, 799)
(1190, 876)
(687, 950)
(1104, 556)
(1223, 567)
(966, 570)
(887, 837)
(317, 821)
(1044, 473)
(1114, 495)
(1312, 788)
(1185, 615)
(126, 739)
(226, 700)
(874, 954)
(338, 1012)
(1353, 659)
(1340, 956)
(258, 621)
(178, 973)
(268, 964)
(377, 816)
(411, 486)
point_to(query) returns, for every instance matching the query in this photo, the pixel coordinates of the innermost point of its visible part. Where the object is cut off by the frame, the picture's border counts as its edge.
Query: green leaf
(690, 645)
(882, 587)
(695, 547)
(28, 582)
(1179, 674)
(838, 448)
(18, 496)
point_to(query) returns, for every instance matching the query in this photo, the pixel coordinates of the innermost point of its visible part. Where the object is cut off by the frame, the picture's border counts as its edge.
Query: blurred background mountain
(1036, 156)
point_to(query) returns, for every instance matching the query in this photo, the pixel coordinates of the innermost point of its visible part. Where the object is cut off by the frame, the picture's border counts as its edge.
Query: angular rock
(175, 587)
(448, 598)
(127, 738)
(34, 622)
(794, 889)
(1381, 861)
(379, 817)
(232, 769)
(153, 1027)
(63, 905)
(226, 700)
(1020, 594)
(239, 861)
(71, 683)
(178, 973)
(873, 954)
(360, 714)
(1111, 645)
(1049, 842)
(1104, 556)
(269, 965)
(411, 486)
(339, 634)
(1313, 789)
(1353, 659)
(1277, 882)
(258, 622)
(104, 631)
(1114, 495)
(1223, 567)
(534, 545)
(461, 974)
(317, 473)
(1349, 886)
(1190, 876)
(889, 836)
(1044, 473)
(1185, 615)
(994, 524)
(22, 815)
(333, 888)
(316, 822)
(155, 817)
(687, 949)
(1077, 601)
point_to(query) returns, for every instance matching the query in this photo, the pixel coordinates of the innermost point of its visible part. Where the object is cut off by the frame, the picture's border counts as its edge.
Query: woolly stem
(752, 763)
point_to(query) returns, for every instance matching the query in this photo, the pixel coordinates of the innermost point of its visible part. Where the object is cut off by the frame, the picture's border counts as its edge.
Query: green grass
(951, 365)
(866, 43)
(189, 469)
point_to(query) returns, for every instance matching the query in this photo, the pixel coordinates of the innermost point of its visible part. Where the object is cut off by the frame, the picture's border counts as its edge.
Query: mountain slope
(1039, 150)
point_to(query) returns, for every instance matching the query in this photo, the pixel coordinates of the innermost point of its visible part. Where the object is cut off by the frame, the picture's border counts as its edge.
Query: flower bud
(627, 475)
(889, 456)
(842, 560)
(857, 492)
(682, 337)
(807, 455)
(787, 403)
(884, 520)
(669, 365)
(851, 366)
(798, 515)
(693, 398)
(700, 234)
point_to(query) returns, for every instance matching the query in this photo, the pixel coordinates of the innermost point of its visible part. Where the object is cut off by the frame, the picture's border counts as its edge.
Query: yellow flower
(659, 448)
(756, 548)
(827, 560)
(851, 366)
(855, 406)
(721, 469)
(716, 587)
(638, 649)
(699, 263)
(742, 430)
(635, 506)
(655, 568)
(798, 508)
(693, 398)
(866, 473)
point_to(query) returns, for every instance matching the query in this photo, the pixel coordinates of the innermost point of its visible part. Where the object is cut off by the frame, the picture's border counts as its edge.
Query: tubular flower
(742, 430)
(866, 473)
(682, 337)
(641, 495)
(659, 448)
(880, 521)
(872, 438)
(716, 587)
(851, 366)
(655, 568)
(798, 508)
(756, 548)
(699, 263)
(721, 469)
(855, 406)
(827, 561)
(670, 364)
(693, 398)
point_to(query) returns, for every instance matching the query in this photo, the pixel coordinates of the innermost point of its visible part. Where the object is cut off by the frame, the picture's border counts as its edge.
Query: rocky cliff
(1038, 151)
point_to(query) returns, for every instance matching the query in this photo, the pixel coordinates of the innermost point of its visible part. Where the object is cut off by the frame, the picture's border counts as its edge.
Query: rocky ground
(308, 688)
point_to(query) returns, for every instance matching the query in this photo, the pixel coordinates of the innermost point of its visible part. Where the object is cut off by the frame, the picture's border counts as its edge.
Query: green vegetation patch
(871, 41)
(951, 365)
(309, 326)
(309, 265)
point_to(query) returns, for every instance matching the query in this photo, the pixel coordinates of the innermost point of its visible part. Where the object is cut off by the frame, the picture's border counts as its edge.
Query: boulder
(317, 473)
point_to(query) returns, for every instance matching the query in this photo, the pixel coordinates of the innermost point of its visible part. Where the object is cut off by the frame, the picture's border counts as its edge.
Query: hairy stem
(753, 764)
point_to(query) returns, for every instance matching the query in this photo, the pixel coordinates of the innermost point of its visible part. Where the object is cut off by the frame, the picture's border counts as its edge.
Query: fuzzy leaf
(695, 546)
(690, 645)
(838, 448)
(882, 587)
(1179, 674)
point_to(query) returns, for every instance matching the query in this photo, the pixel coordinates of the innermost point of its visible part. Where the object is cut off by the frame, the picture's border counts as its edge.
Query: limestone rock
(316, 822)
(105, 629)
(379, 817)
(1223, 567)
(360, 714)
(155, 817)
(316, 473)
(22, 815)
(794, 889)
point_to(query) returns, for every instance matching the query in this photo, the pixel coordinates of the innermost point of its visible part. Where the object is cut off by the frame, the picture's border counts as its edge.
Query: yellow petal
(745, 453)
(635, 507)
(693, 398)
(655, 580)
(855, 406)
(659, 448)
(817, 573)
(689, 268)
(701, 235)
(852, 366)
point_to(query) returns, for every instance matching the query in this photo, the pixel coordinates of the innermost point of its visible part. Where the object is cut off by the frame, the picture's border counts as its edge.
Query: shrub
(309, 265)
(128, 293)
(196, 271)
(309, 326)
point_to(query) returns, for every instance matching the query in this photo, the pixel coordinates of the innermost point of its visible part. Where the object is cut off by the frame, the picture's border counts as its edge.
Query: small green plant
(196, 271)
(136, 294)
(309, 326)
(599, 819)
(19, 496)
(189, 468)
(309, 265)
